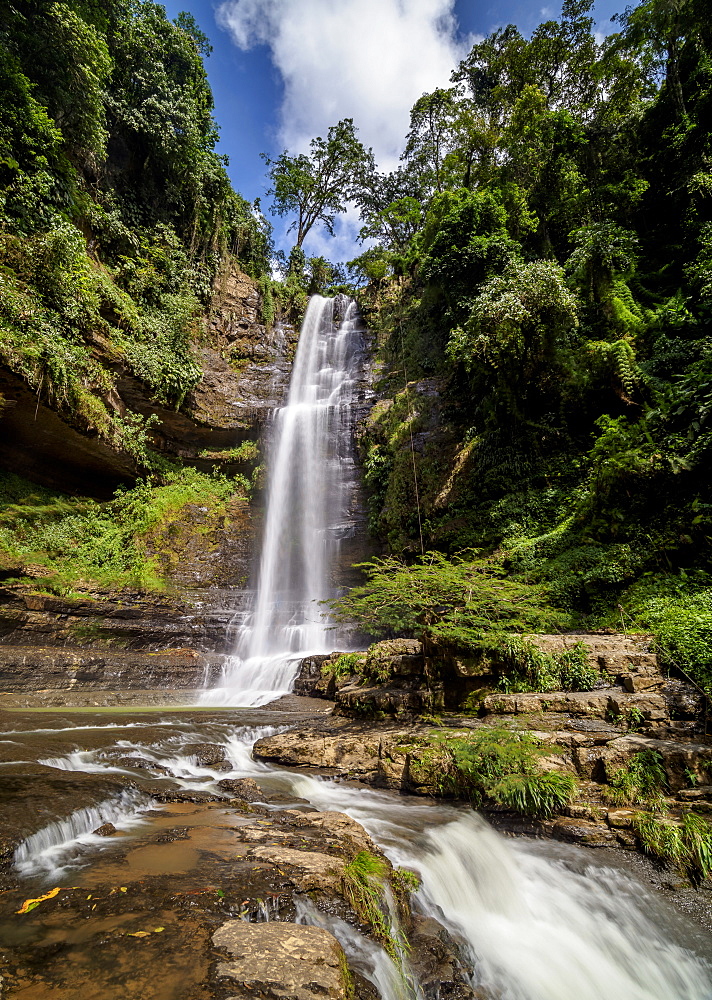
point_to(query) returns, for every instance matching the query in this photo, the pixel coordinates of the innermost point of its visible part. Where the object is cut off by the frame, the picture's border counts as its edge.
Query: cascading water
(528, 926)
(311, 488)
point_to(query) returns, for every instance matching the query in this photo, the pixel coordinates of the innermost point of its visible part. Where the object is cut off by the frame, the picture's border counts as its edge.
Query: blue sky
(282, 71)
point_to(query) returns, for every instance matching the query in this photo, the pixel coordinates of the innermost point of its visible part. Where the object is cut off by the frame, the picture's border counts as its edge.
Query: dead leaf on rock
(30, 904)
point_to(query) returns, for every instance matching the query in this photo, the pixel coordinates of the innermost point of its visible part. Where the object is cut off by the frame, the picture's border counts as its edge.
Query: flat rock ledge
(281, 960)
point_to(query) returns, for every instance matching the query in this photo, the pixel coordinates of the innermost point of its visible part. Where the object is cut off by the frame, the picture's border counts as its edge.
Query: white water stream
(529, 926)
(309, 499)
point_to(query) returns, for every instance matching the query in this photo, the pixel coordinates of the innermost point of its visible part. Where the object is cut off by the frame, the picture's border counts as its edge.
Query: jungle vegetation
(115, 210)
(539, 277)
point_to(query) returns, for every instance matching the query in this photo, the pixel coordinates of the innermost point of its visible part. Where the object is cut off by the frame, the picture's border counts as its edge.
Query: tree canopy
(318, 186)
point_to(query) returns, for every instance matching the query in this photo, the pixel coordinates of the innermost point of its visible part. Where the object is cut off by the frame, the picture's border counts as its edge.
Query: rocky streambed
(163, 859)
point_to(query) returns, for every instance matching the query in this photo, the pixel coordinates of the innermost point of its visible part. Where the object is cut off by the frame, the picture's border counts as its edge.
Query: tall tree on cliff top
(318, 187)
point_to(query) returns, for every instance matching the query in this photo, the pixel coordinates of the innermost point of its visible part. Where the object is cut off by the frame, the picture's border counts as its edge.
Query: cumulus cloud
(369, 60)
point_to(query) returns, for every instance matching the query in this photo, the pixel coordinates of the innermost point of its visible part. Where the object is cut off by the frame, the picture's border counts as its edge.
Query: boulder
(310, 675)
(394, 659)
(318, 872)
(242, 788)
(208, 755)
(105, 830)
(281, 960)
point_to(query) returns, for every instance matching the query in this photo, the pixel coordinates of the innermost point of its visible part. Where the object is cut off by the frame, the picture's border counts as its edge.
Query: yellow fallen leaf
(139, 934)
(30, 904)
(158, 930)
(122, 888)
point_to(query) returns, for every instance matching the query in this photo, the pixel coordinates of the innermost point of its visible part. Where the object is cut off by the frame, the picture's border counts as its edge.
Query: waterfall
(59, 845)
(311, 484)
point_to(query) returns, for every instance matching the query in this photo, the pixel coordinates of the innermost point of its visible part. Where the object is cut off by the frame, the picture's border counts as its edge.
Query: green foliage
(525, 667)
(544, 254)
(463, 240)
(535, 794)
(343, 666)
(363, 882)
(268, 312)
(502, 766)
(686, 845)
(682, 627)
(248, 451)
(317, 187)
(82, 542)
(115, 210)
(406, 880)
(457, 601)
(641, 782)
(517, 336)
(516, 319)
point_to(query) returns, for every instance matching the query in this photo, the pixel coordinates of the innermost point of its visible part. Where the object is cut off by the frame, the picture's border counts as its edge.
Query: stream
(533, 920)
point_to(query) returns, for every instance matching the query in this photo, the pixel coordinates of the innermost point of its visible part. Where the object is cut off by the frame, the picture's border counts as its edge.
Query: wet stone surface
(152, 832)
(148, 889)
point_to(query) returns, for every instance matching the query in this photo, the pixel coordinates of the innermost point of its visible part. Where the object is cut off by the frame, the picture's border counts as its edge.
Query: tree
(431, 134)
(520, 325)
(318, 187)
(458, 600)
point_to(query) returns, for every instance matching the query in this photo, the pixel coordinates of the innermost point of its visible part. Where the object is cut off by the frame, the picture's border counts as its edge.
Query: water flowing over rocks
(314, 516)
(402, 758)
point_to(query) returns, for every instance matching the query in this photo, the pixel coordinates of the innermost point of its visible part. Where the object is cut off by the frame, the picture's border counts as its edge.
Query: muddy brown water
(135, 910)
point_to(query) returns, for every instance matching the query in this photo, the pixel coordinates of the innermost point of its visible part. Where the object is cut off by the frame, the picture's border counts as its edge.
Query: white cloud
(369, 60)
(603, 29)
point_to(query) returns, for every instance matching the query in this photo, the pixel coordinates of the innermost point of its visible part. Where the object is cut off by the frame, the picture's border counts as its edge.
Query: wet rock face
(207, 548)
(196, 621)
(285, 960)
(247, 364)
(32, 668)
(434, 955)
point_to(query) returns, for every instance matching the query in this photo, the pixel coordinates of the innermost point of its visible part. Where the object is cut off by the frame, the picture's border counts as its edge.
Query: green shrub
(528, 668)
(456, 600)
(686, 845)
(503, 766)
(534, 794)
(343, 666)
(641, 782)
